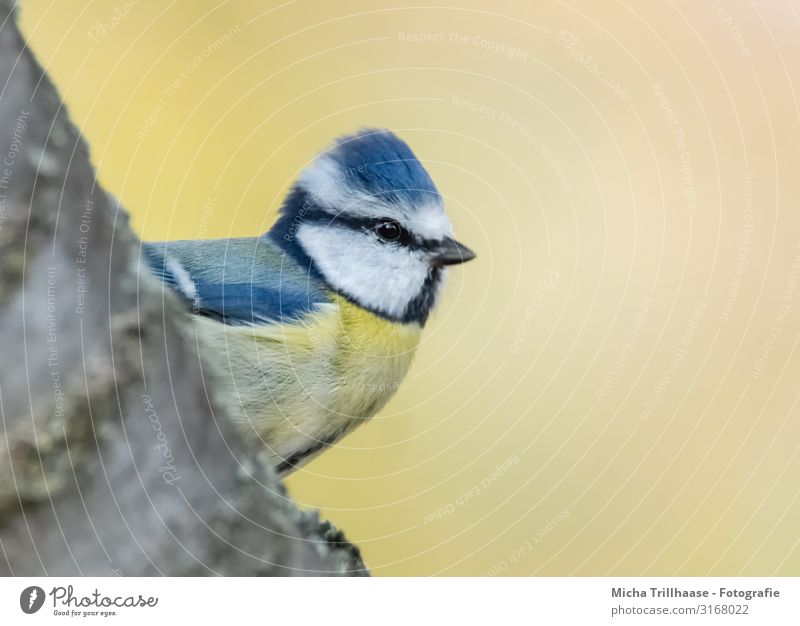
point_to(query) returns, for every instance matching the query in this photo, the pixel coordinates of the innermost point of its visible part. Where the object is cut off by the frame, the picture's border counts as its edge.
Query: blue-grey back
(246, 280)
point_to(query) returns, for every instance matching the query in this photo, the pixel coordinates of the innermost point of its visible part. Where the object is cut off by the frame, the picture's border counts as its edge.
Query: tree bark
(116, 453)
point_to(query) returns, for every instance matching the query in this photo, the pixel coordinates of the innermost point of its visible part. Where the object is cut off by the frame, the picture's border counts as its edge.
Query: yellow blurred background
(612, 387)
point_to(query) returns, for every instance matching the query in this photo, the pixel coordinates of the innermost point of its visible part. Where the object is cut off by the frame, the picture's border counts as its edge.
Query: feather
(245, 281)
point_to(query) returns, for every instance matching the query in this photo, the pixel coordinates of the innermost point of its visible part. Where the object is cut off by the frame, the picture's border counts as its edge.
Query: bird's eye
(389, 230)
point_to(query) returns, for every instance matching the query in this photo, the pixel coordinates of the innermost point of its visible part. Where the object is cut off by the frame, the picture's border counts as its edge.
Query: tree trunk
(116, 454)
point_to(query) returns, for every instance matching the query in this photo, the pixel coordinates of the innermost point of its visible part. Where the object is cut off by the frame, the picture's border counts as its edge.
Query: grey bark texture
(116, 456)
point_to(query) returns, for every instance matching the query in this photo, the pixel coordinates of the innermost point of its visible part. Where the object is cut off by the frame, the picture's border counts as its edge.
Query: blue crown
(379, 163)
(372, 161)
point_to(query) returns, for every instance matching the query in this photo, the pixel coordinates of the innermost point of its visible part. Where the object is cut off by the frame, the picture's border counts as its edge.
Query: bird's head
(366, 217)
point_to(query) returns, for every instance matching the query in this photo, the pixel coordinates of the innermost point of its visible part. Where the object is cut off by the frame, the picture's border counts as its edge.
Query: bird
(313, 325)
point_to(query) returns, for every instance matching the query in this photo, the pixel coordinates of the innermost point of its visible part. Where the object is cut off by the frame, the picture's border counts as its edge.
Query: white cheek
(379, 276)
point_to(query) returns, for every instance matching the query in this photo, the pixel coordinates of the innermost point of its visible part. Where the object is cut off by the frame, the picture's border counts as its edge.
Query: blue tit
(315, 323)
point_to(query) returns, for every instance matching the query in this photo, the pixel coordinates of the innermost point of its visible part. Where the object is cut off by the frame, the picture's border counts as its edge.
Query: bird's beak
(450, 252)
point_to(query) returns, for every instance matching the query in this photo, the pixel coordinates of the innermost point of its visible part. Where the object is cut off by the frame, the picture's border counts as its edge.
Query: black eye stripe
(366, 225)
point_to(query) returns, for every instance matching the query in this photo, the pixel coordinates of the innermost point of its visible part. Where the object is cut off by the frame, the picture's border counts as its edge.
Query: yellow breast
(303, 383)
(373, 357)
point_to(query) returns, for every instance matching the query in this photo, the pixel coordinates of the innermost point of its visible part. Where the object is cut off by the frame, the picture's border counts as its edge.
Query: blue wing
(243, 281)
